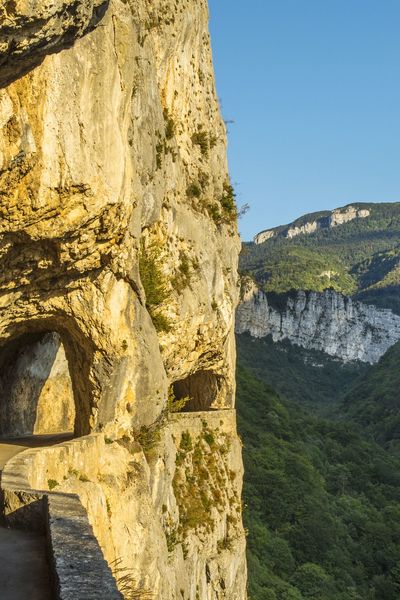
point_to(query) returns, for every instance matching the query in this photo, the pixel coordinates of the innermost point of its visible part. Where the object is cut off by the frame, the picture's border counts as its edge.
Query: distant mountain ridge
(314, 221)
(354, 250)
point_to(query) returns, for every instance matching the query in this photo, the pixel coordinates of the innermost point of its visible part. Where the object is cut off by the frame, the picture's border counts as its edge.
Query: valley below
(318, 407)
(151, 449)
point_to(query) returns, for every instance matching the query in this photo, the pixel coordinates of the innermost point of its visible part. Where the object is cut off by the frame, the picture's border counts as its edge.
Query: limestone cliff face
(326, 321)
(118, 235)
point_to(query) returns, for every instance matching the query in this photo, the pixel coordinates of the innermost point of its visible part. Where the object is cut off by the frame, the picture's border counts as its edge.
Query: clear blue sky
(314, 89)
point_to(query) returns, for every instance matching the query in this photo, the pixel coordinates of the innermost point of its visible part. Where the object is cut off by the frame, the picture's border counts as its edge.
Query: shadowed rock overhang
(29, 30)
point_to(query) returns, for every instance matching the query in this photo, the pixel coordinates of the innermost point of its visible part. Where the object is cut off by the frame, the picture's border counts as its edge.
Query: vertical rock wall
(118, 233)
(327, 321)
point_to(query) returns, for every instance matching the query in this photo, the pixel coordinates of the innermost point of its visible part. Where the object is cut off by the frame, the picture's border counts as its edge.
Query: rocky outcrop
(307, 228)
(326, 221)
(340, 215)
(326, 321)
(263, 236)
(118, 234)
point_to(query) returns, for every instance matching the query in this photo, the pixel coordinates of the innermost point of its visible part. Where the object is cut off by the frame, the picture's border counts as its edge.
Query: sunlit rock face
(113, 166)
(340, 215)
(326, 321)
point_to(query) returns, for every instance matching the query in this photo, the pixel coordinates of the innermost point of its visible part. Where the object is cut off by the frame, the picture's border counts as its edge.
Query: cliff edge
(326, 321)
(118, 284)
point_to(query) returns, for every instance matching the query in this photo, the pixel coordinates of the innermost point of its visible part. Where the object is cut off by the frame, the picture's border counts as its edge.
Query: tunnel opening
(201, 389)
(36, 389)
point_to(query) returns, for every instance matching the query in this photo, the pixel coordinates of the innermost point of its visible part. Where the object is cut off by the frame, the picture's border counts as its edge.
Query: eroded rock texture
(117, 234)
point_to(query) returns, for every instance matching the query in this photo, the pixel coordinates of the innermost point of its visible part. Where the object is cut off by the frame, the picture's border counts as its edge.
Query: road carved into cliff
(24, 571)
(10, 447)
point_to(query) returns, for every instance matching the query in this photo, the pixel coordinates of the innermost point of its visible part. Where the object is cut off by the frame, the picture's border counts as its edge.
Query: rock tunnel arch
(202, 389)
(45, 381)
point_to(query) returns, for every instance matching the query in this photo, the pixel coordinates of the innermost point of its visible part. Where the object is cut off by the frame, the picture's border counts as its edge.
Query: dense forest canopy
(322, 501)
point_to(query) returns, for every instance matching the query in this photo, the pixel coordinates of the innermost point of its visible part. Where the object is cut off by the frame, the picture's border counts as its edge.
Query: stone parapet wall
(164, 504)
(53, 463)
(78, 568)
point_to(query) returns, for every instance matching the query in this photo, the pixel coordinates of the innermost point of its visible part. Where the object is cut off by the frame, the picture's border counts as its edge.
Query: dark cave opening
(201, 387)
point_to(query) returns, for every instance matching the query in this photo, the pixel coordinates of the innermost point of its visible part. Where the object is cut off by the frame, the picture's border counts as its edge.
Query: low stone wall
(78, 567)
(224, 419)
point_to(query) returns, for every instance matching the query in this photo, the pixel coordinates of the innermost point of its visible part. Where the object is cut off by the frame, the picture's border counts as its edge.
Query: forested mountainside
(322, 503)
(310, 378)
(360, 257)
(318, 402)
(374, 402)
